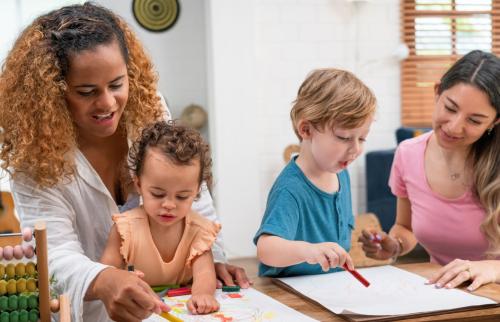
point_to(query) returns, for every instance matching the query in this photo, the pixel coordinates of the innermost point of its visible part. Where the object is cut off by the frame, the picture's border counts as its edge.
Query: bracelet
(399, 249)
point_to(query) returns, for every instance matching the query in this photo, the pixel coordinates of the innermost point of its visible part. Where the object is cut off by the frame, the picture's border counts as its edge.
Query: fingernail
(438, 285)
(469, 289)
(427, 282)
(448, 285)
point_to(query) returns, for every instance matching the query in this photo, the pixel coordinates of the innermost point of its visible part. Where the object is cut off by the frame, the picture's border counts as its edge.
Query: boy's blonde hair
(332, 97)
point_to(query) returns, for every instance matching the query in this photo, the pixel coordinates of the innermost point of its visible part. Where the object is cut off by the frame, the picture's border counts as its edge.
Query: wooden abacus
(25, 287)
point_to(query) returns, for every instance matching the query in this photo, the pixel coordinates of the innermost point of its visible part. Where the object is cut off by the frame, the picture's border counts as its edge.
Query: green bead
(33, 316)
(12, 302)
(23, 316)
(4, 303)
(14, 316)
(33, 301)
(4, 317)
(22, 302)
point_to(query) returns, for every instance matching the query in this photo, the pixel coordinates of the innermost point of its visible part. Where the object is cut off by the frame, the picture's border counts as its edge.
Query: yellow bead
(11, 287)
(2, 271)
(30, 269)
(31, 284)
(10, 270)
(21, 285)
(3, 287)
(20, 270)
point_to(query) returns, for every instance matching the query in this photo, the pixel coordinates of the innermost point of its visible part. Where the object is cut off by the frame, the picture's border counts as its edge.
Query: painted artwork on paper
(244, 306)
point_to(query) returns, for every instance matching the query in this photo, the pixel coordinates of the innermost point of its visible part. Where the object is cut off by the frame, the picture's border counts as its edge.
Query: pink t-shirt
(446, 228)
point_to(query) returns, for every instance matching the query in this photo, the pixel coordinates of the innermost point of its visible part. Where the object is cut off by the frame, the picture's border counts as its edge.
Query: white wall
(179, 53)
(282, 40)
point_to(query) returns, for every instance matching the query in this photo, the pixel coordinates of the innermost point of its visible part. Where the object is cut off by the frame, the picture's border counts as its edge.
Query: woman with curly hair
(76, 87)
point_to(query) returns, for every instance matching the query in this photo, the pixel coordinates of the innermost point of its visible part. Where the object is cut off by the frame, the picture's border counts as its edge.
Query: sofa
(380, 200)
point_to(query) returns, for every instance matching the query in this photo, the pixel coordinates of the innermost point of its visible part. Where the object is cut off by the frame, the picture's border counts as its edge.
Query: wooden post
(43, 271)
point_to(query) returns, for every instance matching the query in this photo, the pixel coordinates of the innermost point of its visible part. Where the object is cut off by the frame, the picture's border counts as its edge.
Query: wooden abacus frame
(43, 278)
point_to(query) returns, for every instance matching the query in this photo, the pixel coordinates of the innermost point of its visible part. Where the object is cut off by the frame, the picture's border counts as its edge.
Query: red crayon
(357, 275)
(179, 291)
(376, 238)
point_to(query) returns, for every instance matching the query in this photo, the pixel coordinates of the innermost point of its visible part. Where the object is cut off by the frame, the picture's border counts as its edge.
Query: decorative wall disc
(156, 15)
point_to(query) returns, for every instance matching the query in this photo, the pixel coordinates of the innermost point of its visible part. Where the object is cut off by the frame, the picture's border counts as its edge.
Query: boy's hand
(328, 255)
(202, 304)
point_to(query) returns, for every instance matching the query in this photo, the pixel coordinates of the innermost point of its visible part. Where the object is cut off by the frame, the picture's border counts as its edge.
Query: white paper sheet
(392, 291)
(248, 305)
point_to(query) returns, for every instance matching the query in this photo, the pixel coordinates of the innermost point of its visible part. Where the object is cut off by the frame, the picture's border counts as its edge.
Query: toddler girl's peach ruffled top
(139, 249)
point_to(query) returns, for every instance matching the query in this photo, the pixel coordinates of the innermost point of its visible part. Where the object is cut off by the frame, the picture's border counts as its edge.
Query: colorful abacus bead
(20, 269)
(12, 302)
(8, 252)
(1, 253)
(11, 287)
(28, 251)
(4, 317)
(10, 270)
(22, 302)
(21, 285)
(3, 287)
(30, 269)
(27, 234)
(4, 303)
(2, 271)
(33, 301)
(18, 252)
(31, 284)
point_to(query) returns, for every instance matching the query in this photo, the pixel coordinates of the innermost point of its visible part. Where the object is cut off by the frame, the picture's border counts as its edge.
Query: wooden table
(264, 285)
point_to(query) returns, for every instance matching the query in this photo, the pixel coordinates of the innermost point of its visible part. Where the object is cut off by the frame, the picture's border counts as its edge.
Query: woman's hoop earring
(490, 130)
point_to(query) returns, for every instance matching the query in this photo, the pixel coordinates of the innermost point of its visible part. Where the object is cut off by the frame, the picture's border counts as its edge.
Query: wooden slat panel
(426, 63)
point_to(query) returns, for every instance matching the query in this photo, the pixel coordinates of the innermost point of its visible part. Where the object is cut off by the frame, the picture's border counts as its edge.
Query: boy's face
(333, 150)
(168, 190)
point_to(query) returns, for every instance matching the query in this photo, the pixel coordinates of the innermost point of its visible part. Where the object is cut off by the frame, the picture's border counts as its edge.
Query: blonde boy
(306, 228)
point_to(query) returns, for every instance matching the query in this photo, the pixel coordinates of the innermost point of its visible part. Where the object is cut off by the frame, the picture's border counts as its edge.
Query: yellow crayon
(170, 317)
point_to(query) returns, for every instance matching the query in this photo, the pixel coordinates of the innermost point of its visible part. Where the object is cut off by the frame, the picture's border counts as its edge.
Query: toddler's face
(333, 150)
(168, 190)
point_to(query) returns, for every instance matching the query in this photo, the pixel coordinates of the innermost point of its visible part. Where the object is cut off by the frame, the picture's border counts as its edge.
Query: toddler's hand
(202, 304)
(328, 255)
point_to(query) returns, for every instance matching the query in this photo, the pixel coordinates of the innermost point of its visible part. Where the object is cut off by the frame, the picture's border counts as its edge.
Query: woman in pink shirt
(447, 181)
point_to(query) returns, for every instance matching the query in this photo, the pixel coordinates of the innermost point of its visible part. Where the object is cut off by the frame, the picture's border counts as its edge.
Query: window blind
(437, 33)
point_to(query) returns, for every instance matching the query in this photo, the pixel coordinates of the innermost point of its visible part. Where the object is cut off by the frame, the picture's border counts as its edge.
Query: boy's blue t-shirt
(298, 210)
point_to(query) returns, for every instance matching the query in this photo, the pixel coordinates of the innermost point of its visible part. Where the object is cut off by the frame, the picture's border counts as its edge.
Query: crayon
(358, 276)
(160, 288)
(170, 317)
(376, 238)
(227, 288)
(179, 291)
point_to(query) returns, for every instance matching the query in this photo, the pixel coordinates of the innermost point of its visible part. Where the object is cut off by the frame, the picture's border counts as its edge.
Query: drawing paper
(392, 291)
(247, 305)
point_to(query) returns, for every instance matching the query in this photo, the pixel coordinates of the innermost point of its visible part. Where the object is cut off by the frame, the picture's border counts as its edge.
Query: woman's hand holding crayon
(202, 304)
(379, 245)
(328, 255)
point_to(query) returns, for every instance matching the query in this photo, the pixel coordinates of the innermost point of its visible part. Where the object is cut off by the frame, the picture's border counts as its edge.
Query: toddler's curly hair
(178, 143)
